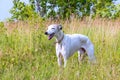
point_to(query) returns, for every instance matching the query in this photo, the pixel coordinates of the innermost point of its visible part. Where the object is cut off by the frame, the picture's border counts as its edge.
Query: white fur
(70, 44)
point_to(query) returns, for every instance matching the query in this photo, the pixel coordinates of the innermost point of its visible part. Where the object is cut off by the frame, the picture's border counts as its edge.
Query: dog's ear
(60, 27)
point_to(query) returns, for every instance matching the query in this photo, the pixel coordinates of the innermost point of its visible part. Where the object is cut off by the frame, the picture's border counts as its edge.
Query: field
(27, 54)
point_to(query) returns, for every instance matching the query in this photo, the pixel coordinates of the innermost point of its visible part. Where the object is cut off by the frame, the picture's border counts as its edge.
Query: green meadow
(27, 54)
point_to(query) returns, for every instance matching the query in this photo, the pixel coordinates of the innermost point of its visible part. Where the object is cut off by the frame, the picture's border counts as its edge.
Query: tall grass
(27, 54)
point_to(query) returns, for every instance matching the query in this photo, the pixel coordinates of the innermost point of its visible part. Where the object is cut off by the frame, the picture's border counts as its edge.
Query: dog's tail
(90, 52)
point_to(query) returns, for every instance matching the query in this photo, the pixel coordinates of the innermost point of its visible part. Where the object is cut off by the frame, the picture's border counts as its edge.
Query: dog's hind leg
(81, 54)
(65, 62)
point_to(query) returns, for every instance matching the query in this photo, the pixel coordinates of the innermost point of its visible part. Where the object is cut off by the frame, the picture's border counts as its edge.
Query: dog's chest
(61, 47)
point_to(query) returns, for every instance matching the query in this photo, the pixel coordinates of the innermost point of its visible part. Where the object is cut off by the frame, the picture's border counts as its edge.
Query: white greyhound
(67, 45)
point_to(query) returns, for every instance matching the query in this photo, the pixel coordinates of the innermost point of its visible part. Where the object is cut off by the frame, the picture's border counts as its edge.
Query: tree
(106, 9)
(65, 8)
(22, 11)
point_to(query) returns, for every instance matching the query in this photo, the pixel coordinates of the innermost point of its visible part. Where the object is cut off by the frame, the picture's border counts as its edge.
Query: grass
(27, 54)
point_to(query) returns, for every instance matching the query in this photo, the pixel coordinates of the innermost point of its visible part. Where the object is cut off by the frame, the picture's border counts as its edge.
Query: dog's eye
(53, 28)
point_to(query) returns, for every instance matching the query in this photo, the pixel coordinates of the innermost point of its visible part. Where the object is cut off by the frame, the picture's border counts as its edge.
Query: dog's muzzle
(50, 36)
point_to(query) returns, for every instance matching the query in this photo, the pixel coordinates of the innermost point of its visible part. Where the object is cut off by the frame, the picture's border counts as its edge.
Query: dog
(67, 45)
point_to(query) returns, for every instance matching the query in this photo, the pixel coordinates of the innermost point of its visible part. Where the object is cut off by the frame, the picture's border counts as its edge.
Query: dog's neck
(59, 37)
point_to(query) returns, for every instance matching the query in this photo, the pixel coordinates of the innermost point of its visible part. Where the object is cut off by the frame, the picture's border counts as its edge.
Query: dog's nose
(46, 33)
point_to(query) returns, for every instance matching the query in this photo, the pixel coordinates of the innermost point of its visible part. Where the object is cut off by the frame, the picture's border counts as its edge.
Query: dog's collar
(59, 41)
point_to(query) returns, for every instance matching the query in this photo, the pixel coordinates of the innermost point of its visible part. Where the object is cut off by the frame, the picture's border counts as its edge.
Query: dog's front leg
(65, 57)
(59, 56)
(59, 59)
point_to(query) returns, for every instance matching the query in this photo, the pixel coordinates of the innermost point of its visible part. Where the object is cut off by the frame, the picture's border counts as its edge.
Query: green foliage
(1, 25)
(107, 9)
(67, 8)
(116, 11)
(2, 34)
(22, 11)
(64, 9)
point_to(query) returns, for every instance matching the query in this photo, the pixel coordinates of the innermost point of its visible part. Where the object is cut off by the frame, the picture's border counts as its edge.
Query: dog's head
(53, 30)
